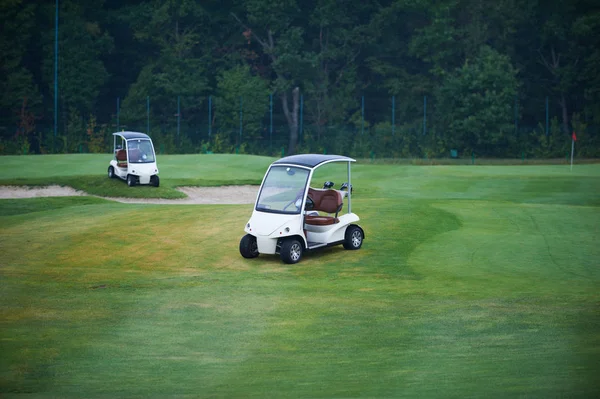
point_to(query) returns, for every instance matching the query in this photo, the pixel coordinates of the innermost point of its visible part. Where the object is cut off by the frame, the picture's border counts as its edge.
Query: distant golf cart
(134, 159)
(291, 217)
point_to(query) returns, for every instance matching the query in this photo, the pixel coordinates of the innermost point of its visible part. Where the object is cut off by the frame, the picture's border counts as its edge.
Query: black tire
(155, 181)
(248, 246)
(131, 180)
(111, 172)
(353, 238)
(291, 251)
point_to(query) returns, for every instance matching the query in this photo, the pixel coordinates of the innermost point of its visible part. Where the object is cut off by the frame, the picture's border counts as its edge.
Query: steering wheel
(310, 204)
(295, 201)
(289, 204)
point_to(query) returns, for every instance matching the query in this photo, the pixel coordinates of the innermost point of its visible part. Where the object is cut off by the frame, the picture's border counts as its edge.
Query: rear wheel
(155, 181)
(111, 172)
(353, 238)
(131, 180)
(248, 246)
(291, 251)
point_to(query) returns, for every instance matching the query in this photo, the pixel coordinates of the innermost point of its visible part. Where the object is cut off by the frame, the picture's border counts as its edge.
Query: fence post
(362, 115)
(516, 114)
(178, 121)
(209, 116)
(241, 119)
(118, 110)
(270, 121)
(55, 76)
(424, 115)
(393, 115)
(301, 116)
(547, 116)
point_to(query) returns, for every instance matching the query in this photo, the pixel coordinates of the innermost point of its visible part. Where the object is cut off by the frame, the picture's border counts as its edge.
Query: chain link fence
(377, 128)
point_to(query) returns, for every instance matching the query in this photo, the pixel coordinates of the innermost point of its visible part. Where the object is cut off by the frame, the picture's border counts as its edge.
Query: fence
(382, 127)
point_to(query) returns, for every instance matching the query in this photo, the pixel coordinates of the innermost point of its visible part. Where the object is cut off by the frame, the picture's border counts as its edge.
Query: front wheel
(131, 180)
(291, 251)
(155, 181)
(248, 246)
(111, 172)
(353, 238)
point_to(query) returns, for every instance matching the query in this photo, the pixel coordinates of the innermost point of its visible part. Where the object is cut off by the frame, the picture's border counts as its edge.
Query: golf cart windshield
(283, 190)
(140, 151)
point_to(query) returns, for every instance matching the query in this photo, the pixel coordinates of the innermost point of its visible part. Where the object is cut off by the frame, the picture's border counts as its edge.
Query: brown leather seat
(329, 201)
(321, 220)
(121, 158)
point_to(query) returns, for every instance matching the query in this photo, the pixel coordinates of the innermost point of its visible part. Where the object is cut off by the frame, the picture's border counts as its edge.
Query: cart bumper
(266, 245)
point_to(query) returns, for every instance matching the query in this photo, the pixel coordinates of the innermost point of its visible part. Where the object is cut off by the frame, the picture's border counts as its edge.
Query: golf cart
(134, 159)
(291, 217)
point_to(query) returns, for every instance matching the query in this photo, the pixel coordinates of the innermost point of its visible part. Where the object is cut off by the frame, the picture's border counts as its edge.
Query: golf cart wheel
(248, 246)
(353, 238)
(155, 181)
(291, 251)
(111, 172)
(131, 180)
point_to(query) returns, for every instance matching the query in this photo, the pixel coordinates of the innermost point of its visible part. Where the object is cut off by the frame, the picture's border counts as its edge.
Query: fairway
(473, 281)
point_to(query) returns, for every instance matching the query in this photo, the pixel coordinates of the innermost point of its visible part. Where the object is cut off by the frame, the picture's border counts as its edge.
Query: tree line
(399, 78)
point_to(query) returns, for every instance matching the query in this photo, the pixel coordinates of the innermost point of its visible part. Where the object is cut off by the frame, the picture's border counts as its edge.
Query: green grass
(87, 172)
(468, 160)
(472, 282)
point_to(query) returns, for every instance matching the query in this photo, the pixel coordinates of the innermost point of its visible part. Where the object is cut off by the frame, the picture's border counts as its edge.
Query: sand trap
(31, 192)
(195, 195)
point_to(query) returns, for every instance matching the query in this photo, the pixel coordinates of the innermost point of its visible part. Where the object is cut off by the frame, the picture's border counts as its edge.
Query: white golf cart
(134, 159)
(291, 217)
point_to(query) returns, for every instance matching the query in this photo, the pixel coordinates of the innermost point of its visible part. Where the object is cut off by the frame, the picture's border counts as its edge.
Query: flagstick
(572, 150)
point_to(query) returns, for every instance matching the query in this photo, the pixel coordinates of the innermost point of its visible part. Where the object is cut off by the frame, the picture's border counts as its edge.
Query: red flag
(574, 137)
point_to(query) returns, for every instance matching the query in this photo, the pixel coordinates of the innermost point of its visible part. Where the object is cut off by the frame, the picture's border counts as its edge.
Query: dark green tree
(175, 67)
(560, 48)
(279, 37)
(20, 99)
(336, 41)
(81, 45)
(586, 30)
(238, 89)
(476, 103)
(394, 67)
(330, 52)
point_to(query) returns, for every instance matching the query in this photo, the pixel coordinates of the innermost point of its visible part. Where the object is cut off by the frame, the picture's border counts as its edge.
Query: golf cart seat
(121, 159)
(329, 201)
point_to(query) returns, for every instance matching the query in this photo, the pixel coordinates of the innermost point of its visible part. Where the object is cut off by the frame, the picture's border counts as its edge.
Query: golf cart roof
(132, 135)
(312, 160)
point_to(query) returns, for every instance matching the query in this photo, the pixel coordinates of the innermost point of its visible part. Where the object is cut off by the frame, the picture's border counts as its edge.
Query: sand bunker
(195, 195)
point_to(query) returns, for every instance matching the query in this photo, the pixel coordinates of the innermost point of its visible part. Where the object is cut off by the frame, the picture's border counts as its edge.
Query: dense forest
(387, 78)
